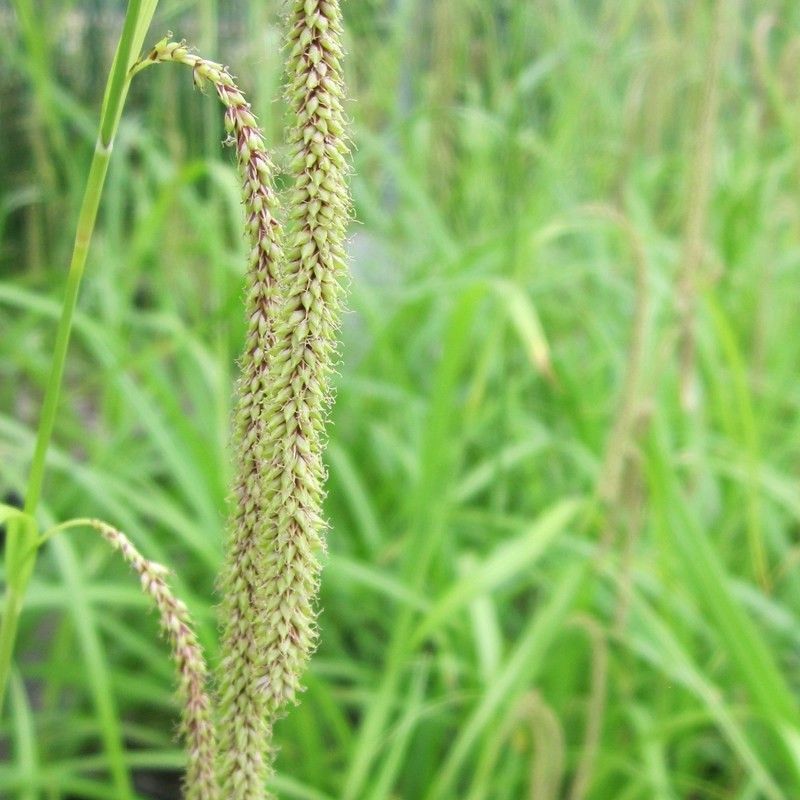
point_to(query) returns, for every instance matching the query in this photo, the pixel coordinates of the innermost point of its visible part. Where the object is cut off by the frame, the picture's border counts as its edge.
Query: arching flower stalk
(197, 725)
(244, 726)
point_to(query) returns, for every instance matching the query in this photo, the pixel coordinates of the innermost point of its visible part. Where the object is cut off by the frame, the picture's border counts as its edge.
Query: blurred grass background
(564, 454)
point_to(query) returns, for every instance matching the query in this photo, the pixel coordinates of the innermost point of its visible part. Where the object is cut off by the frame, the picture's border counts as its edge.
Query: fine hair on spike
(304, 349)
(197, 723)
(243, 721)
(270, 575)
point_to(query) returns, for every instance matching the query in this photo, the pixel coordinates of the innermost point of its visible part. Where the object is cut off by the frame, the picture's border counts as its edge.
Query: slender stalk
(595, 707)
(86, 222)
(621, 439)
(547, 767)
(22, 539)
(196, 727)
(698, 205)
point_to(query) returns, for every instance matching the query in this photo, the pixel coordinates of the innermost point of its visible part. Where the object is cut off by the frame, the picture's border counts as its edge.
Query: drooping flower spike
(276, 533)
(243, 721)
(197, 723)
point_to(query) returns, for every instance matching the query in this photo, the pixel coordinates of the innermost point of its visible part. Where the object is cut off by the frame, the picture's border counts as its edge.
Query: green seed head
(244, 726)
(304, 348)
(197, 728)
(276, 533)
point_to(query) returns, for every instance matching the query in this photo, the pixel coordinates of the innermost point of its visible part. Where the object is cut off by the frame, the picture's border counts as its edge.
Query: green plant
(197, 726)
(270, 577)
(458, 429)
(21, 547)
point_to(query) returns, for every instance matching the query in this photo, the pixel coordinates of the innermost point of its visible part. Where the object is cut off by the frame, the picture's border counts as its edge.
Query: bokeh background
(564, 491)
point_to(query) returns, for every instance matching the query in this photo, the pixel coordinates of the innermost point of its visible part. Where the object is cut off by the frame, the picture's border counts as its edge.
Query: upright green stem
(83, 236)
(21, 549)
(22, 540)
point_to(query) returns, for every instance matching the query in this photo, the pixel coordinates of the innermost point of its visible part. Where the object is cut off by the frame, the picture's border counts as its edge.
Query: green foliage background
(551, 574)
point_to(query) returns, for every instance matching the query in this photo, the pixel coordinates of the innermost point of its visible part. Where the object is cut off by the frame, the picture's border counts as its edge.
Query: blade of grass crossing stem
(19, 558)
(24, 738)
(137, 20)
(520, 670)
(706, 579)
(427, 512)
(10, 514)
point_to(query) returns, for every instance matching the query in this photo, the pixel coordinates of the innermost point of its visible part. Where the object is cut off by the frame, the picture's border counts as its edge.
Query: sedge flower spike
(303, 355)
(243, 721)
(271, 572)
(196, 724)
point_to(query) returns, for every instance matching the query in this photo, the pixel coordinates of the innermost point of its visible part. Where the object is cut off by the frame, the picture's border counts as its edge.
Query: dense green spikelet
(302, 358)
(243, 720)
(270, 578)
(197, 726)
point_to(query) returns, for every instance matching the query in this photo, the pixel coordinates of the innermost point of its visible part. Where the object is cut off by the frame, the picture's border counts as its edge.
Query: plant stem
(86, 222)
(22, 539)
(700, 187)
